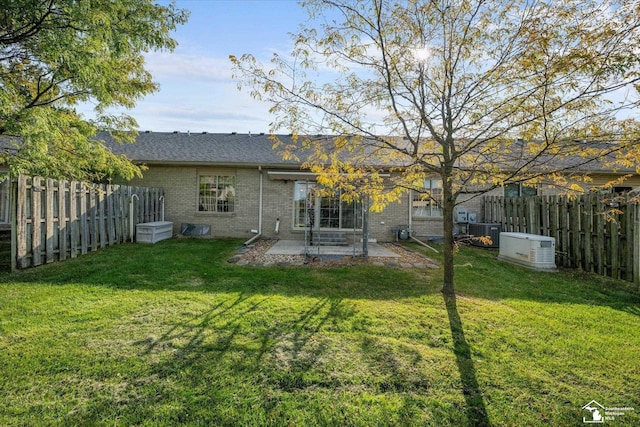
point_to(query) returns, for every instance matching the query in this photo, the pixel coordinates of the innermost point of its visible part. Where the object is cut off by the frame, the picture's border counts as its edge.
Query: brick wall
(181, 197)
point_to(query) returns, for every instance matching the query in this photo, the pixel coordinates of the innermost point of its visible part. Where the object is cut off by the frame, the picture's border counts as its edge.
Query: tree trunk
(447, 214)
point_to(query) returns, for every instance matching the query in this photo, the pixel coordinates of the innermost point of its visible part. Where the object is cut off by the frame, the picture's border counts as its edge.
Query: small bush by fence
(592, 232)
(58, 219)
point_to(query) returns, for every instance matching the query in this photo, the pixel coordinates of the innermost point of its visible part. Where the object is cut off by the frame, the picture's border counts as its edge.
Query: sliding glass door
(324, 212)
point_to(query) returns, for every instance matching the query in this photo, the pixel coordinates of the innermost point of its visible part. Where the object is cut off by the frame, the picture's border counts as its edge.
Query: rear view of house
(240, 186)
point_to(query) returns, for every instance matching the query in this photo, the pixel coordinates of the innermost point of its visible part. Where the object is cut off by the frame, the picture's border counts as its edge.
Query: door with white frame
(315, 210)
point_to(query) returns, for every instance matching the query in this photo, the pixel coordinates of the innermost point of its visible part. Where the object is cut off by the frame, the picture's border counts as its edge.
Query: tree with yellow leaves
(476, 93)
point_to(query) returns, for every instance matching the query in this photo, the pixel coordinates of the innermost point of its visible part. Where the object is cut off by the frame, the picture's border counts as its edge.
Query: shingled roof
(201, 148)
(233, 149)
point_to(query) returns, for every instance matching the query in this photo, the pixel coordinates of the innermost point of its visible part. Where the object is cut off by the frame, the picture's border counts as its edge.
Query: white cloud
(188, 67)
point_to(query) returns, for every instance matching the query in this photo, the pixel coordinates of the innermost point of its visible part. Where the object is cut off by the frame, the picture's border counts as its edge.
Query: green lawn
(171, 334)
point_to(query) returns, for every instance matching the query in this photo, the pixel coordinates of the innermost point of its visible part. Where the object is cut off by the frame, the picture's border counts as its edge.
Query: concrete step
(329, 238)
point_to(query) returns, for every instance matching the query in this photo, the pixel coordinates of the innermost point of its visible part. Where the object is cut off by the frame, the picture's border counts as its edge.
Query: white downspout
(423, 243)
(410, 212)
(260, 202)
(259, 231)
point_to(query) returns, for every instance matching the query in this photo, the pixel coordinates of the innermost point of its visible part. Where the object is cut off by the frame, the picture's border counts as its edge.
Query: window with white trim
(427, 203)
(303, 203)
(216, 193)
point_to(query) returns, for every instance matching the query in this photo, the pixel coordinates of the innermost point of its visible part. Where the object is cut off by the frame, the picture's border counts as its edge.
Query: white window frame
(222, 188)
(306, 189)
(428, 202)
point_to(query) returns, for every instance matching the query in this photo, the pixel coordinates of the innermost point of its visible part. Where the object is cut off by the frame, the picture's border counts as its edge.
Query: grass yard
(172, 334)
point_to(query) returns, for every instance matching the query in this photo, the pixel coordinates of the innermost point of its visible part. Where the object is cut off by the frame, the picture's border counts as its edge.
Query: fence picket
(84, 232)
(628, 249)
(62, 220)
(588, 232)
(614, 243)
(36, 222)
(74, 224)
(599, 254)
(574, 230)
(22, 223)
(117, 210)
(56, 220)
(48, 221)
(93, 200)
(111, 214)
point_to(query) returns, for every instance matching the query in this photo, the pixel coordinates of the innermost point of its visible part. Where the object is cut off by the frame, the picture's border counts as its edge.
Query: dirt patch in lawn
(256, 254)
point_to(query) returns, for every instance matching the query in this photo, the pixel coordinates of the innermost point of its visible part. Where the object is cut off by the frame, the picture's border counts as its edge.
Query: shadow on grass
(201, 266)
(193, 333)
(285, 361)
(476, 410)
(480, 274)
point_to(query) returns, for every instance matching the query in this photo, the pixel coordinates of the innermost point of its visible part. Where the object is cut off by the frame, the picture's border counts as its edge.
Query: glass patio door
(324, 212)
(329, 212)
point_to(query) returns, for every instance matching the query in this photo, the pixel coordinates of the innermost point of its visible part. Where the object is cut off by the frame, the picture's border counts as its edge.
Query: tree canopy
(55, 54)
(478, 93)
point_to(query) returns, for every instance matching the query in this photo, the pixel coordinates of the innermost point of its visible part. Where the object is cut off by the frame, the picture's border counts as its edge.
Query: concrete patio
(297, 247)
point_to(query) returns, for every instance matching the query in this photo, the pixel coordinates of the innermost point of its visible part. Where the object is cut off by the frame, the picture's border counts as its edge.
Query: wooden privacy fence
(592, 232)
(57, 219)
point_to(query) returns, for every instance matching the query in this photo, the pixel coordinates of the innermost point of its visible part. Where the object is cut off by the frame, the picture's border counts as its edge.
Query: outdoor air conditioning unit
(529, 250)
(485, 229)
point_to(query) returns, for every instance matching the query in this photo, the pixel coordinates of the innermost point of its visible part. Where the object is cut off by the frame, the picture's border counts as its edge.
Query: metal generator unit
(529, 250)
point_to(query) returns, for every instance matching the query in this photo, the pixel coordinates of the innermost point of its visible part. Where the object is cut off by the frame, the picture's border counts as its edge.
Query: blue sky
(197, 92)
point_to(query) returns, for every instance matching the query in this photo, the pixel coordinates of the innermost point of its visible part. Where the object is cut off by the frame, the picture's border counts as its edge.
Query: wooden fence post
(74, 231)
(21, 222)
(13, 215)
(574, 221)
(62, 220)
(628, 238)
(48, 221)
(36, 221)
(636, 245)
(587, 226)
(96, 216)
